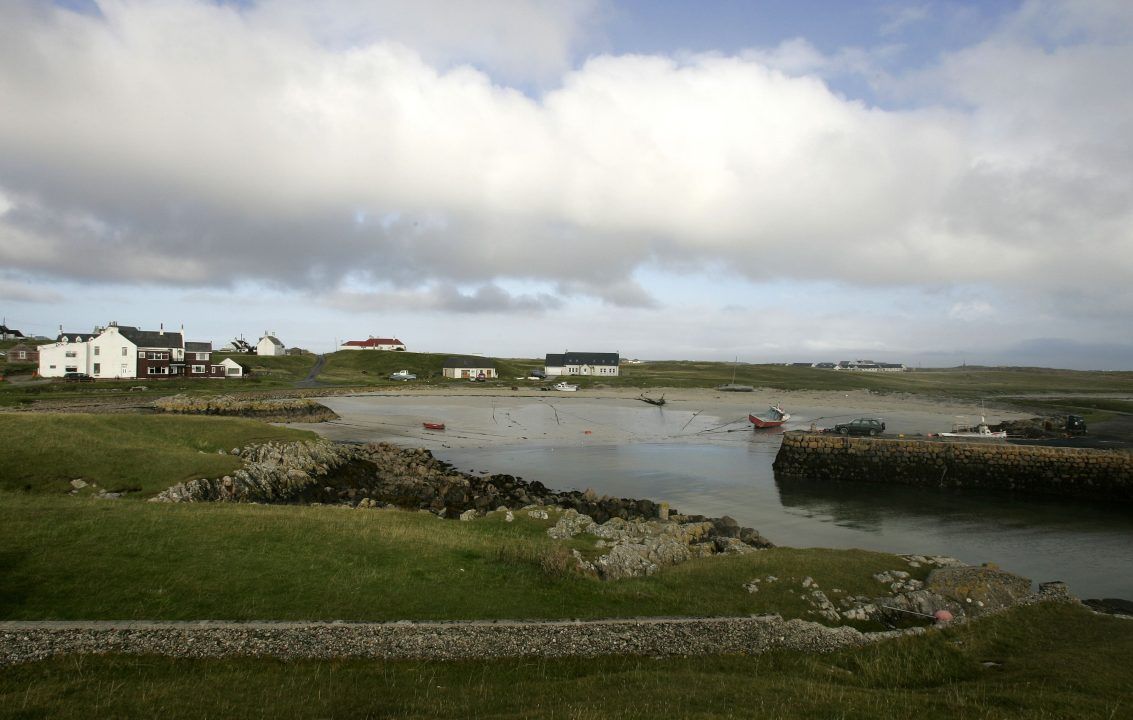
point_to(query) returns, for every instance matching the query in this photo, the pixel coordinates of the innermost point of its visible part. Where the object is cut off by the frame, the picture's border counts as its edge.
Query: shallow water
(1087, 545)
(715, 466)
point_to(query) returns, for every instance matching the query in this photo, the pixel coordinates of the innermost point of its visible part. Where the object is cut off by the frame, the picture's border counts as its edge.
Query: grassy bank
(84, 558)
(1036, 662)
(137, 453)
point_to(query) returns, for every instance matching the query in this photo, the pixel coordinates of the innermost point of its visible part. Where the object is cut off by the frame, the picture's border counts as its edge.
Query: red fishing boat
(776, 417)
(434, 426)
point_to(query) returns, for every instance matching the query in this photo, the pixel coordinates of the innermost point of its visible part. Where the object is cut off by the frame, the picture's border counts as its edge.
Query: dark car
(861, 426)
(77, 377)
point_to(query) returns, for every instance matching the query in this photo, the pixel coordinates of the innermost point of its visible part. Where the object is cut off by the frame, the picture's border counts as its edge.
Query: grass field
(84, 558)
(1035, 662)
(142, 454)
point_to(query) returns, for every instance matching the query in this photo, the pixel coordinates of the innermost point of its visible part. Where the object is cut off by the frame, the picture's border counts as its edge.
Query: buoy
(942, 616)
(586, 432)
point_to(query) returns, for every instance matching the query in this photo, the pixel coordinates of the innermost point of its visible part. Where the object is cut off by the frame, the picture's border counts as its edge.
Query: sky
(928, 182)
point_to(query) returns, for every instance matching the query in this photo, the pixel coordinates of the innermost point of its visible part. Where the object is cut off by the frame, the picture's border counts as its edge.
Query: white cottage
(270, 345)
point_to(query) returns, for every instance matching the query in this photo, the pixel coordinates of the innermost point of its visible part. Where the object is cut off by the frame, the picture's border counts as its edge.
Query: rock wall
(1074, 472)
(267, 410)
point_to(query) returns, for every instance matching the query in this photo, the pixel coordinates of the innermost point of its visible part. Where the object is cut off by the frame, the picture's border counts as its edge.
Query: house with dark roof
(7, 333)
(270, 345)
(465, 368)
(123, 351)
(582, 363)
(373, 343)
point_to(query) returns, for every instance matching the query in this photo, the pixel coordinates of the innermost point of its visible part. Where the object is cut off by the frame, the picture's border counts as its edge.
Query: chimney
(161, 331)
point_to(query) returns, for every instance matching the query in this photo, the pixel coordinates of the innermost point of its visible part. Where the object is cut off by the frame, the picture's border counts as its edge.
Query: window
(202, 356)
(158, 356)
(97, 349)
(141, 354)
(71, 353)
(233, 371)
(124, 351)
(21, 355)
(97, 366)
(70, 368)
(198, 368)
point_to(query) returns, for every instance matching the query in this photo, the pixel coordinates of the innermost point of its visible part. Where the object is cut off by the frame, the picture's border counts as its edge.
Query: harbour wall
(1073, 472)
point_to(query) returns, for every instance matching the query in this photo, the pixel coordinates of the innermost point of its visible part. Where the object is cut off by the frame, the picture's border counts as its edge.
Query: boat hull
(761, 424)
(434, 426)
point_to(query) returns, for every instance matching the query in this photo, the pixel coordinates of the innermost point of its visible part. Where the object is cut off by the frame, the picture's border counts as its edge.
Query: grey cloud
(194, 144)
(486, 299)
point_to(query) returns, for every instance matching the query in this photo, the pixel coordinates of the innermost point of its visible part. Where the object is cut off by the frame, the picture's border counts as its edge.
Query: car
(77, 377)
(402, 375)
(861, 426)
(537, 374)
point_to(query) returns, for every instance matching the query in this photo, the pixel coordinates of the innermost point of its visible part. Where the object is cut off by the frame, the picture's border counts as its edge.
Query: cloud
(22, 291)
(482, 300)
(203, 144)
(898, 17)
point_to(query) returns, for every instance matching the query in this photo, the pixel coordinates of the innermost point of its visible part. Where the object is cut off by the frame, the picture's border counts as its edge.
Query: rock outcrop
(268, 410)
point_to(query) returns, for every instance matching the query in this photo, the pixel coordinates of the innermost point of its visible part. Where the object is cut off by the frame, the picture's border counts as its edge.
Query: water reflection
(1087, 545)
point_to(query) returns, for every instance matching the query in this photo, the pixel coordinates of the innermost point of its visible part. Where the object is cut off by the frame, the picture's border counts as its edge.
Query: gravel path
(30, 641)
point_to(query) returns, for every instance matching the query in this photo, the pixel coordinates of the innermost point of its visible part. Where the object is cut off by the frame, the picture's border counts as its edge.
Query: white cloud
(191, 143)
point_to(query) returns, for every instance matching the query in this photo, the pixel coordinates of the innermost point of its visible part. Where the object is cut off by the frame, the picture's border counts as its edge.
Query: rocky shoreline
(268, 410)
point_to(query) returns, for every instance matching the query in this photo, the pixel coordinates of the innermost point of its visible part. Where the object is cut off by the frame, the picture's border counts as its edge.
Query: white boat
(980, 432)
(565, 387)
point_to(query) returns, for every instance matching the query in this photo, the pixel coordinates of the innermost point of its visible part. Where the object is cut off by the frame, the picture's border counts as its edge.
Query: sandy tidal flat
(490, 417)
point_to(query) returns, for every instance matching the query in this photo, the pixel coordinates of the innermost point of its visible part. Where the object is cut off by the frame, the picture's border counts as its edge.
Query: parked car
(77, 377)
(537, 374)
(861, 426)
(402, 375)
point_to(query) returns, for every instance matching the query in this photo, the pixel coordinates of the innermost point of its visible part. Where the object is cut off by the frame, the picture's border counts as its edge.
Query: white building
(117, 352)
(270, 345)
(373, 343)
(582, 363)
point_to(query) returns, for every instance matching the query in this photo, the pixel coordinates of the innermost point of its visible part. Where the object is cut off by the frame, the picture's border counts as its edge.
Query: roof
(5, 330)
(75, 337)
(149, 338)
(582, 358)
(458, 363)
(373, 342)
(272, 339)
(198, 347)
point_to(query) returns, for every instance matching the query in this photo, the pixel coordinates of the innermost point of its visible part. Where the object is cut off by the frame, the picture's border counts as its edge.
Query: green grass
(82, 558)
(1050, 662)
(369, 368)
(267, 371)
(43, 452)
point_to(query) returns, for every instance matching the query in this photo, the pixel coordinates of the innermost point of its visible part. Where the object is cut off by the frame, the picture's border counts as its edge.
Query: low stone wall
(1075, 472)
(22, 642)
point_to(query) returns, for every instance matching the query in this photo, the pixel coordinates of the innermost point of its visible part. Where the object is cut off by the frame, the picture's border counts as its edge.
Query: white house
(469, 368)
(270, 345)
(69, 353)
(230, 368)
(373, 343)
(126, 352)
(582, 363)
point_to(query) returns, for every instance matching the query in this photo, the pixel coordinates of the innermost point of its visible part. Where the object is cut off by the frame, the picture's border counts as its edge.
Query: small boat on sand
(776, 416)
(979, 432)
(434, 426)
(566, 387)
